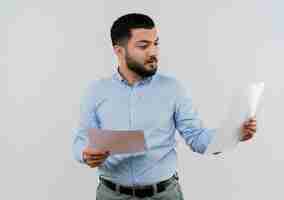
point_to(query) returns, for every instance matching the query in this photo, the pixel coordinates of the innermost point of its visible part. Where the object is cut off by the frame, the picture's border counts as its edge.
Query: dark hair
(121, 29)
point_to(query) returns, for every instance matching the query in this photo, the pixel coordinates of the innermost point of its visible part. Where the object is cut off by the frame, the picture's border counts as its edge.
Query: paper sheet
(244, 105)
(255, 92)
(117, 142)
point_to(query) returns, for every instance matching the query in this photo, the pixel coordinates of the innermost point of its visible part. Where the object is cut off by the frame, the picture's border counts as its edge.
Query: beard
(139, 68)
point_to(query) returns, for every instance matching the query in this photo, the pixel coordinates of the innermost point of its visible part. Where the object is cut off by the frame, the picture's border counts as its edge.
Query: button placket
(131, 106)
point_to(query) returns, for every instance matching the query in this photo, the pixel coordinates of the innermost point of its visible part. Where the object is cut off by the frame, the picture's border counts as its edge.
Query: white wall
(50, 50)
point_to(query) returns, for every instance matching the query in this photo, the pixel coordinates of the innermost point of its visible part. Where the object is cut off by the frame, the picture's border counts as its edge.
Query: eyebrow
(147, 41)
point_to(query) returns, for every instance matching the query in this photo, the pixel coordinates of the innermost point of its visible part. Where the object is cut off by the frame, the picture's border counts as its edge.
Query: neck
(128, 75)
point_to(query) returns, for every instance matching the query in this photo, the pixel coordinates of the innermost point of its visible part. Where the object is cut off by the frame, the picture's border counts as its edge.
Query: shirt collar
(117, 76)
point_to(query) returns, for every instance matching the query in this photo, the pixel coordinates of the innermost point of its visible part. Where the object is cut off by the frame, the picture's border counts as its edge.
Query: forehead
(143, 34)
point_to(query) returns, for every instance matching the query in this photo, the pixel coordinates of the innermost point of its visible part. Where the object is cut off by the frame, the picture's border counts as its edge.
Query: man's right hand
(94, 157)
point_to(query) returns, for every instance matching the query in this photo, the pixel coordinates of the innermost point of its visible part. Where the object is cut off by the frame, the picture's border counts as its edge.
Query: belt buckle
(133, 192)
(136, 187)
(142, 187)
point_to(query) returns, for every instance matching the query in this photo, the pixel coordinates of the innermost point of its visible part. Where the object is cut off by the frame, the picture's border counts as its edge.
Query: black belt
(139, 191)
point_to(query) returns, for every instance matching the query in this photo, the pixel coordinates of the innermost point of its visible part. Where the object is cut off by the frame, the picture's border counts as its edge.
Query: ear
(118, 50)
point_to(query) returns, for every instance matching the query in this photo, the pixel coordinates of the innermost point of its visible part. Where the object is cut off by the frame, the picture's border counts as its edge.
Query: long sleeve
(88, 119)
(188, 124)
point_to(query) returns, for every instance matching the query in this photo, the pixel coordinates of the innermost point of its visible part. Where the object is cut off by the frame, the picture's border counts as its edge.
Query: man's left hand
(248, 129)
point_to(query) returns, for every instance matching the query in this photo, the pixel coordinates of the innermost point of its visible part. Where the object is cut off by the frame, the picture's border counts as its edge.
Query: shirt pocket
(112, 114)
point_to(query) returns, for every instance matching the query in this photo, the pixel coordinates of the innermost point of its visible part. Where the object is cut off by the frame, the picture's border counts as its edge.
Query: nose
(154, 52)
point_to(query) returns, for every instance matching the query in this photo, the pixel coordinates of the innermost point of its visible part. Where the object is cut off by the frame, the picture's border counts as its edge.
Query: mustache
(153, 59)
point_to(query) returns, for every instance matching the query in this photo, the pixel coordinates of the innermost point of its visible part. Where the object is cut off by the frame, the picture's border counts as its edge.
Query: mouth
(152, 62)
(152, 65)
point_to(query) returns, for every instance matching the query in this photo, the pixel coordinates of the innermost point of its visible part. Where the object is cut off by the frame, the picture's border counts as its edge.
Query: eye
(146, 46)
(142, 47)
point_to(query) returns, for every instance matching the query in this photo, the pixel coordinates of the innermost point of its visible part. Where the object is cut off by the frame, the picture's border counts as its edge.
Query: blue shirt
(158, 105)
